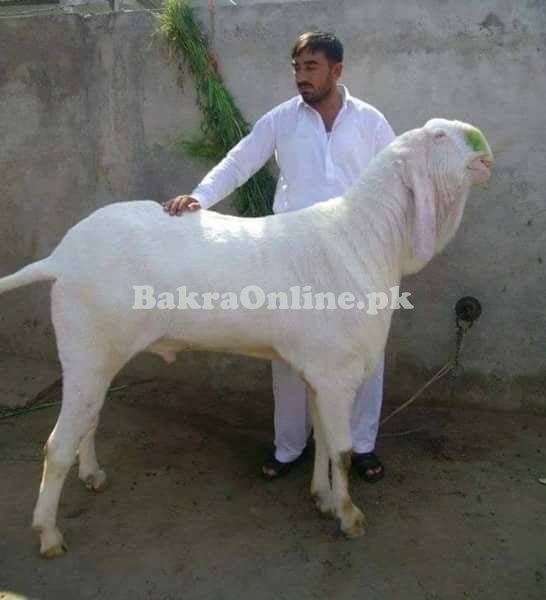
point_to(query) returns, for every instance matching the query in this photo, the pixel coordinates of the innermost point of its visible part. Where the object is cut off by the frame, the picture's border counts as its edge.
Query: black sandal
(279, 468)
(365, 461)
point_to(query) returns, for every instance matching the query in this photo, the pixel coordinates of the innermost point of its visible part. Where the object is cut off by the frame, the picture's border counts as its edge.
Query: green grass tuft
(222, 125)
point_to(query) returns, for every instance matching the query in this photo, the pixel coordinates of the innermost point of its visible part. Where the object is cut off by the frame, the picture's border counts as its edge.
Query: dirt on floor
(461, 512)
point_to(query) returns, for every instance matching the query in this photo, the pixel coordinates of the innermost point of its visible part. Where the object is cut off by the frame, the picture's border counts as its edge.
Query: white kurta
(315, 165)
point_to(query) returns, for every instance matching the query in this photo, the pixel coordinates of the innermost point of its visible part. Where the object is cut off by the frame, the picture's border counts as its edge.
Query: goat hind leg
(89, 471)
(83, 395)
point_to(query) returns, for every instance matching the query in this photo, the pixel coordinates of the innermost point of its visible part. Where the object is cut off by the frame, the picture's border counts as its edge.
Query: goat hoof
(54, 551)
(97, 482)
(324, 504)
(51, 543)
(356, 527)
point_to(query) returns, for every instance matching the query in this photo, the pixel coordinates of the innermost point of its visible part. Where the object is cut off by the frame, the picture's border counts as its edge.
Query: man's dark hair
(319, 41)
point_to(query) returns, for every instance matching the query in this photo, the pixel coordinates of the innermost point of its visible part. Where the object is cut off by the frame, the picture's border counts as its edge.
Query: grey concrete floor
(461, 513)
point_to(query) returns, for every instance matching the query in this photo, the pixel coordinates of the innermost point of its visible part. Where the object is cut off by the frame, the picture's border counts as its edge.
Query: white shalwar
(314, 165)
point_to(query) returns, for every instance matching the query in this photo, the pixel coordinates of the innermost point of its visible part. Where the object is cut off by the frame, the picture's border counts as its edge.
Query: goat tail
(41, 270)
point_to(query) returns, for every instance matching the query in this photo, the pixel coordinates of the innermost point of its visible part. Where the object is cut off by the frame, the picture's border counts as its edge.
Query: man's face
(315, 76)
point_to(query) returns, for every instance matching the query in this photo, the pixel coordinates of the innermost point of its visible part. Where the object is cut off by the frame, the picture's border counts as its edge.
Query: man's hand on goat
(176, 206)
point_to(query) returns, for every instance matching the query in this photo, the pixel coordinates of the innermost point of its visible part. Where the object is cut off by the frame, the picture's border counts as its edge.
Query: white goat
(406, 208)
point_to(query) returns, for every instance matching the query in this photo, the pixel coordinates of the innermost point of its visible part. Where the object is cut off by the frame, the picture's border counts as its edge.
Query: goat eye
(439, 135)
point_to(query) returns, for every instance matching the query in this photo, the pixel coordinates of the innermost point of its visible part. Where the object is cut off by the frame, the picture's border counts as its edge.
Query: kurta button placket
(330, 166)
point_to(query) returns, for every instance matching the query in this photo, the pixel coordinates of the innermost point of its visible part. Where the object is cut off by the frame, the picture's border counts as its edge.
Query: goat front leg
(321, 489)
(333, 411)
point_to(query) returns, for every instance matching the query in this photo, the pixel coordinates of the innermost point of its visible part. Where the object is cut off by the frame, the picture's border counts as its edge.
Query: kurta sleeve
(239, 164)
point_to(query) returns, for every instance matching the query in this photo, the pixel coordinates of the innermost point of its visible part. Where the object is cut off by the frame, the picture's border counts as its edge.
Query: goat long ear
(416, 178)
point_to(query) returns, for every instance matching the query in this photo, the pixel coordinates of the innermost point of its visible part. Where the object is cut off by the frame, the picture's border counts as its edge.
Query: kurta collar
(346, 98)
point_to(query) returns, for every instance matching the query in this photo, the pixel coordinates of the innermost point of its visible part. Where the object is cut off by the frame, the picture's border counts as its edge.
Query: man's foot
(273, 468)
(368, 466)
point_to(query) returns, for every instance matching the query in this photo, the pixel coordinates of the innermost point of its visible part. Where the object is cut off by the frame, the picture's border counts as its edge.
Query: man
(323, 139)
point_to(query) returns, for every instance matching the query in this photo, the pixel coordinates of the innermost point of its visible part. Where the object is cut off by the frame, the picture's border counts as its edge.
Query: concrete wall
(90, 107)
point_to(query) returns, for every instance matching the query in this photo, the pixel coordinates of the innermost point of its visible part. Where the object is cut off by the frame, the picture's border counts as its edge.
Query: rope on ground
(463, 327)
(443, 371)
(28, 409)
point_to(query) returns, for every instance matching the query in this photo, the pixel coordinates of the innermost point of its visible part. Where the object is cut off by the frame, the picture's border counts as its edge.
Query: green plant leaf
(222, 124)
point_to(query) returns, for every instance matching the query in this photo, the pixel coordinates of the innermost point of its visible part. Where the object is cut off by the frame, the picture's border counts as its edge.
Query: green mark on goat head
(476, 140)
